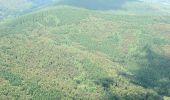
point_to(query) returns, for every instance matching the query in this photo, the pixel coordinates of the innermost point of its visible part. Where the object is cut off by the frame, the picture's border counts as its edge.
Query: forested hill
(70, 53)
(84, 50)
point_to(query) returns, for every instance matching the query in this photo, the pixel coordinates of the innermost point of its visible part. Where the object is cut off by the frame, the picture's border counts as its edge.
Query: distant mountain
(15, 7)
(11, 7)
(134, 6)
(97, 4)
(36, 3)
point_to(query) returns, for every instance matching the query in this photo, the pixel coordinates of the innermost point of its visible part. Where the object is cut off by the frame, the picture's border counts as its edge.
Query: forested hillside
(71, 53)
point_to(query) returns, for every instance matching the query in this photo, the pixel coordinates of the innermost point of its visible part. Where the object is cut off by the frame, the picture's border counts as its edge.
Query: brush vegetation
(71, 53)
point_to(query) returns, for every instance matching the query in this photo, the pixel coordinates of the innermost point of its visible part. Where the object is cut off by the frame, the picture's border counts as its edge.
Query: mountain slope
(72, 53)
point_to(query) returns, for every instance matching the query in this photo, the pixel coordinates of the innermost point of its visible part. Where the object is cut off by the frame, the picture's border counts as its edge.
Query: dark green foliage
(155, 73)
(14, 79)
(105, 82)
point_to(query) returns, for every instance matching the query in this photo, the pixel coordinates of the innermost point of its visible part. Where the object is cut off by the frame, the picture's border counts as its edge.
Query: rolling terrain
(61, 52)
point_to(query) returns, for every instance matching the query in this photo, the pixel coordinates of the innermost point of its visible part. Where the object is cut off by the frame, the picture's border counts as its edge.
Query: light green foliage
(70, 53)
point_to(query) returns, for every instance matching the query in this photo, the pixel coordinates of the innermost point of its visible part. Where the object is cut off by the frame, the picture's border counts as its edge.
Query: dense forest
(85, 50)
